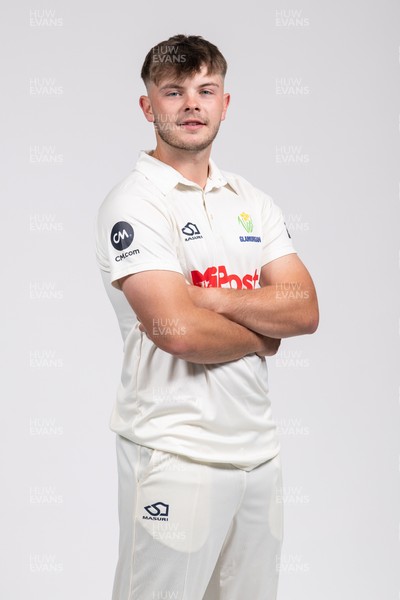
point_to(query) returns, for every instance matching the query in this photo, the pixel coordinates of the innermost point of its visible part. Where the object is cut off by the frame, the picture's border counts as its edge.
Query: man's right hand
(271, 346)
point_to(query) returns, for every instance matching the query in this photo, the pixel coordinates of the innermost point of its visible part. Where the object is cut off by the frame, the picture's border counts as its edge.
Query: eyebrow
(176, 86)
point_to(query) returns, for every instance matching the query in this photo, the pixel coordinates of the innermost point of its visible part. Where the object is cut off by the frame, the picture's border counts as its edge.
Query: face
(187, 115)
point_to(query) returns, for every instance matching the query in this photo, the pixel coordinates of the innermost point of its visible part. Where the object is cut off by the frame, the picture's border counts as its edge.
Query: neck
(192, 165)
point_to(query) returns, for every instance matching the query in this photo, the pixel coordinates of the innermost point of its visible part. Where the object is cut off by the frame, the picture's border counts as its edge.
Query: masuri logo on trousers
(157, 511)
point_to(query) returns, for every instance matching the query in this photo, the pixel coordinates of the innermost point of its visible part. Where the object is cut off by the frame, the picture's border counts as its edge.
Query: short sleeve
(276, 238)
(134, 234)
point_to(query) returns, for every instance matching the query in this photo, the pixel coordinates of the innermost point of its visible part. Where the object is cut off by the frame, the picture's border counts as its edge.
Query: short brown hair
(182, 56)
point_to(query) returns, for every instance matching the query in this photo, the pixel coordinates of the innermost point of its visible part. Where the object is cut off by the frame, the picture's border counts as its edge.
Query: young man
(193, 259)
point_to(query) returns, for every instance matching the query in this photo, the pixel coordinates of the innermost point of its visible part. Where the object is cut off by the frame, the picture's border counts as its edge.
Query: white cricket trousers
(196, 531)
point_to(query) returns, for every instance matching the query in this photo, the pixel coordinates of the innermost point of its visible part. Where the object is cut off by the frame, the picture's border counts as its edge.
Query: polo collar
(166, 178)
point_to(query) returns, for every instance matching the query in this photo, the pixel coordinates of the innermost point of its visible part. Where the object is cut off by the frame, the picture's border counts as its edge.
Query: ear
(145, 105)
(226, 100)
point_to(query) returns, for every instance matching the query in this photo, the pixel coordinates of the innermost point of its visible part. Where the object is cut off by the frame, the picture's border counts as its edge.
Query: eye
(207, 92)
(172, 94)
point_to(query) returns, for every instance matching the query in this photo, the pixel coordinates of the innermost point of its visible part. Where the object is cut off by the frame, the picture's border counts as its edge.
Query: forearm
(162, 304)
(205, 337)
(278, 311)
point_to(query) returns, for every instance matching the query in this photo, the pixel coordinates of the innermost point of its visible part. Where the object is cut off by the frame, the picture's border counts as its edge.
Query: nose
(191, 103)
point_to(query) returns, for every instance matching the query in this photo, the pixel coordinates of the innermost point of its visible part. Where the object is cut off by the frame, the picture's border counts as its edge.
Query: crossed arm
(286, 304)
(217, 325)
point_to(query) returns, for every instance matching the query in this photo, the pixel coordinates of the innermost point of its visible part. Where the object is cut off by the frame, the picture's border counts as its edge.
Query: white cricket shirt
(155, 219)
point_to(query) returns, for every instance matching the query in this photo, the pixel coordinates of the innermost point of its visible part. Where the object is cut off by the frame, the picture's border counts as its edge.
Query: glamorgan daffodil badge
(245, 220)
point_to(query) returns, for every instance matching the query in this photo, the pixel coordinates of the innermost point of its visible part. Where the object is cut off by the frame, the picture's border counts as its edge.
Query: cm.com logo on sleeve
(121, 238)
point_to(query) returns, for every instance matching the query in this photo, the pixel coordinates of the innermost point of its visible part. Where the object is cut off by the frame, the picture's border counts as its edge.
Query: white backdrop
(314, 121)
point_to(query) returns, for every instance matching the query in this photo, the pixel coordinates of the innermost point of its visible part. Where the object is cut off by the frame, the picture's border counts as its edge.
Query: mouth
(192, 124)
